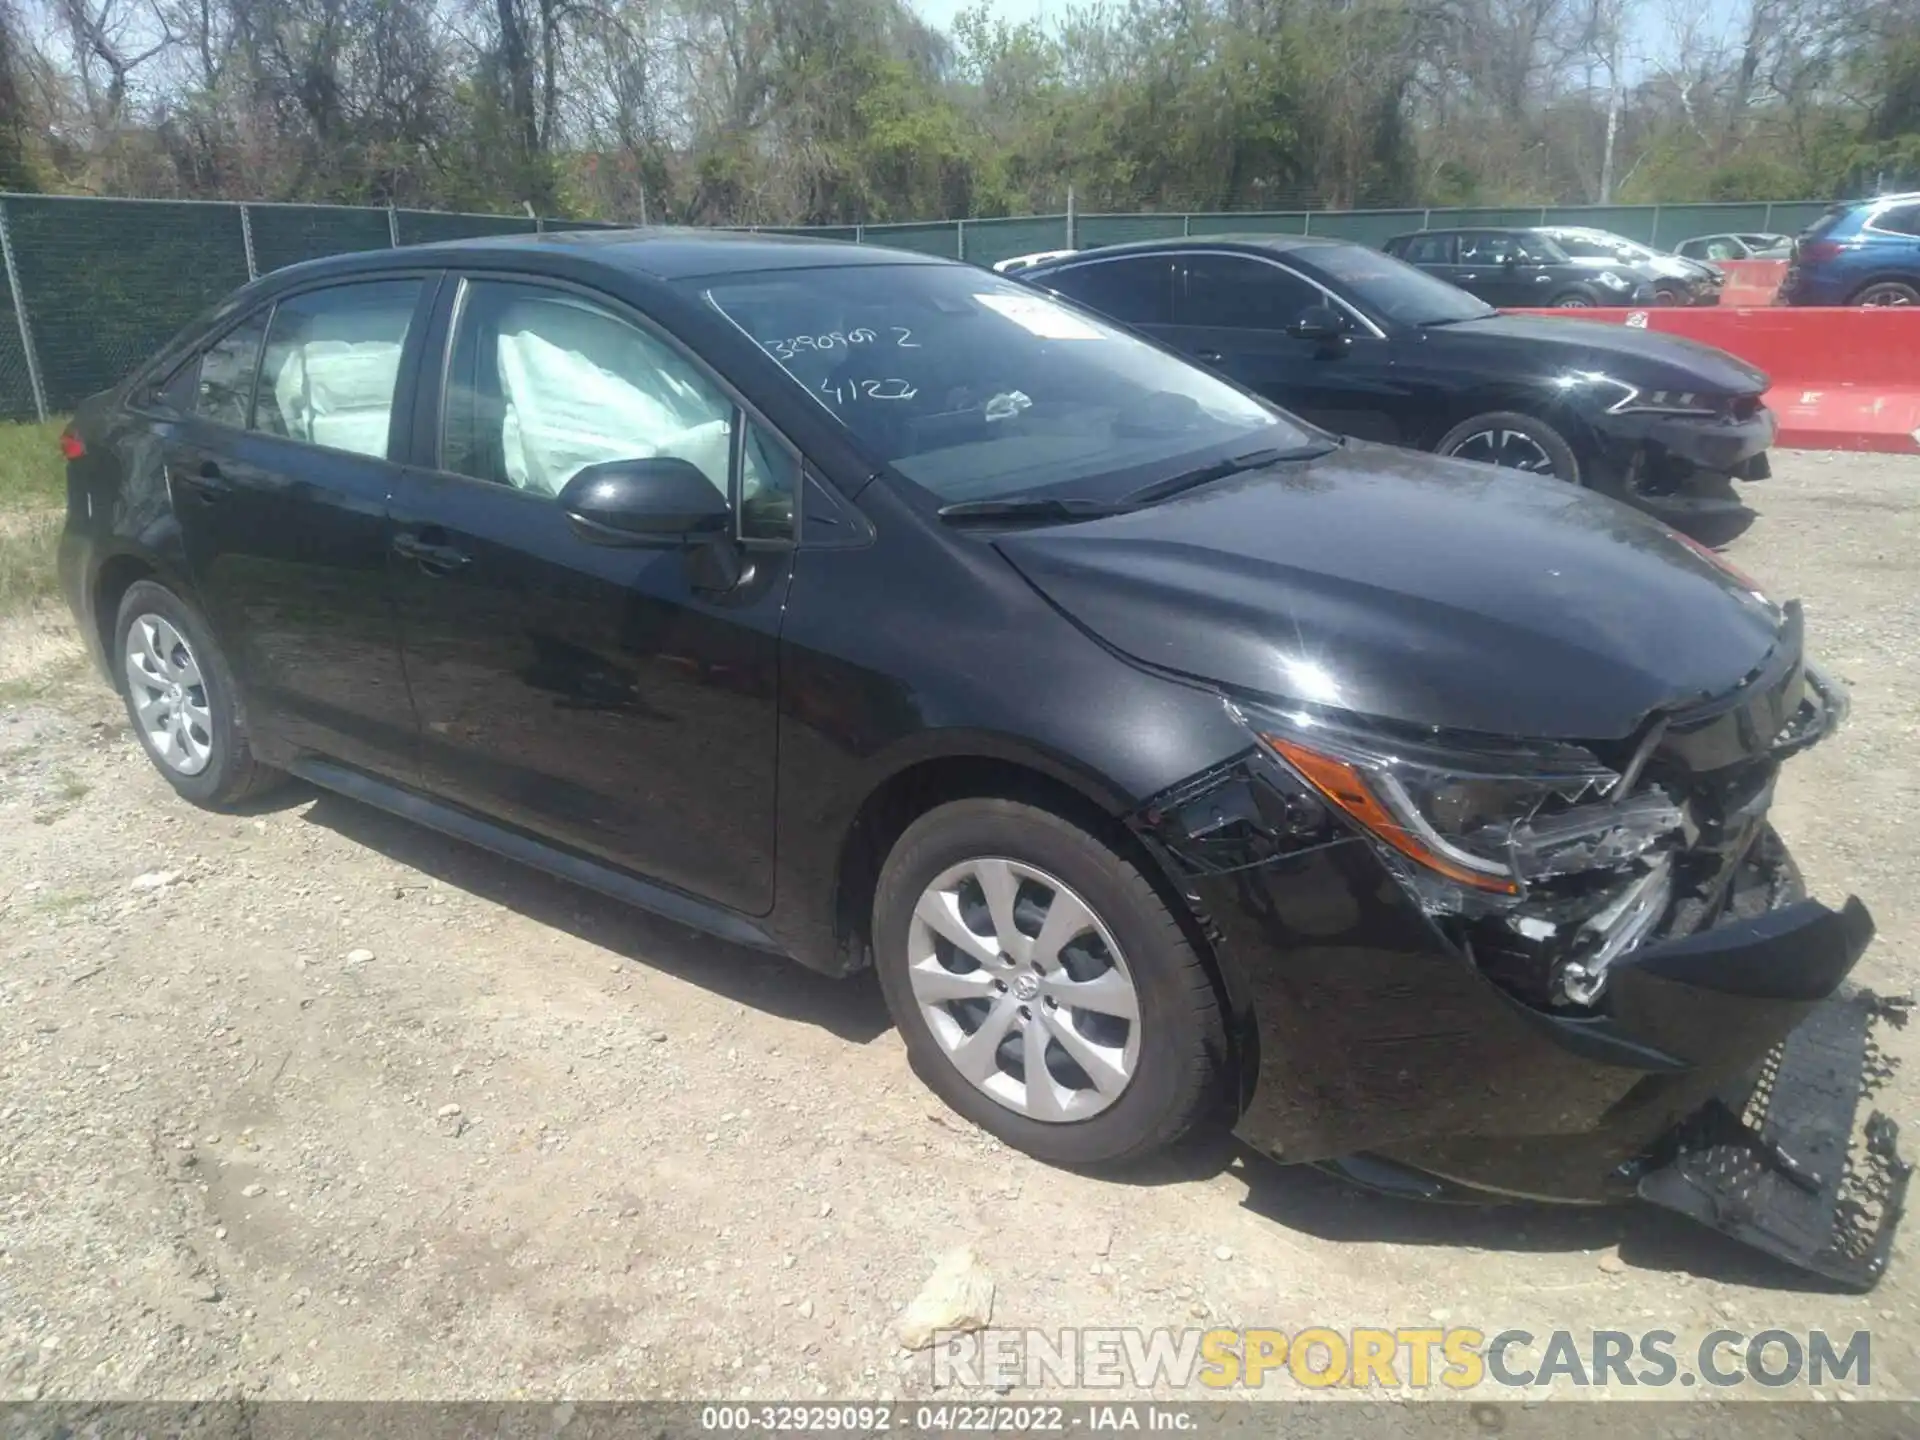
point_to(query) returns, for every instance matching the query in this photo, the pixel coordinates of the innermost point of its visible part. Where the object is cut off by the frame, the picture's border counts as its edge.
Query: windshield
(975, 387)
(1392, 287)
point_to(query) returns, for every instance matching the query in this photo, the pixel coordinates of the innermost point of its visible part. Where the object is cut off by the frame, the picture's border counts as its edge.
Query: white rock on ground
(957, 1296)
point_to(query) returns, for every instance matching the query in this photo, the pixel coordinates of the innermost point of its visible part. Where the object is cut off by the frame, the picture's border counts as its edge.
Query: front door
(281, 493)
(1234, 312)
(618, 700)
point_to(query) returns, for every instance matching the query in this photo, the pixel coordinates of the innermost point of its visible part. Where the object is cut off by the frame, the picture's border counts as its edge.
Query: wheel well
(117, 577)
(1912, 282)
(905, 797)
(1491, 402)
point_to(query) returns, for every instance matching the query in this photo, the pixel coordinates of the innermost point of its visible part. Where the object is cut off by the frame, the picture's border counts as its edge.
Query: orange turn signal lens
(1345, 786)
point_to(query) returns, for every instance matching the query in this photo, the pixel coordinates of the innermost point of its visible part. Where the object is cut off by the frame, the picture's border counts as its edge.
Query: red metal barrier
(1842, 379)
(1751, 282)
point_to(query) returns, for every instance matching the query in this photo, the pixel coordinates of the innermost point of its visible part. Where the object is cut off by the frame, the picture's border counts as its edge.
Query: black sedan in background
(1172, 761)
(1367, 346)
(1525, 268)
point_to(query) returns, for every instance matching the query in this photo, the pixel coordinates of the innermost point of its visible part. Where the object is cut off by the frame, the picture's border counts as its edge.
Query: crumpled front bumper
(1787, 1162)
(1382, 1048)
(1664, 457)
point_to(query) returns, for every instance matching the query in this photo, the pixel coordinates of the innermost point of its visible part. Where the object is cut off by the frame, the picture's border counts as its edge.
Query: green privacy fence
(95, 286)
(988, 241)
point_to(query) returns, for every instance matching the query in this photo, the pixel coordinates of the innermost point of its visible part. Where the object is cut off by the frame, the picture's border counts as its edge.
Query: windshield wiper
(1070, 507)
(1031, 507)
(1219, 470)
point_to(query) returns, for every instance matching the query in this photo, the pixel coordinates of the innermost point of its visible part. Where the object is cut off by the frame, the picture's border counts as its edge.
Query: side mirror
(1317, 322)
(1510, 260)
(660, 500)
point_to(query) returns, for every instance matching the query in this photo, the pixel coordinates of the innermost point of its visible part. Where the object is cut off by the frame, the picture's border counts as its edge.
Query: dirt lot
(231, 1162)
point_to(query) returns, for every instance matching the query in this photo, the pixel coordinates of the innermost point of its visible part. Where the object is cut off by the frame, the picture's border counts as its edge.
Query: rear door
(1433, 253)
(277, 461)
(1488, 265)
(1235, 312)
(1136, 290)
(618, 700)
(1896, 233)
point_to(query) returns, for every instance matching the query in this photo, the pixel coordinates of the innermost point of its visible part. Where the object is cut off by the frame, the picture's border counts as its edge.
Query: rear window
(1826, 222)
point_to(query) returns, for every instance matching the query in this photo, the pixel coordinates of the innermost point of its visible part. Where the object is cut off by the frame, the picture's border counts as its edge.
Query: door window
(542, 383)
(1429, 250)
(1134, 291)
(1901, 220)
(333, 364)
(1478, 248)
(217, 384)
(1238, 292)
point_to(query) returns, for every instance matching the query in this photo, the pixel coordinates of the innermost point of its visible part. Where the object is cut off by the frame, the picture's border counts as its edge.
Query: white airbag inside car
(563, 411)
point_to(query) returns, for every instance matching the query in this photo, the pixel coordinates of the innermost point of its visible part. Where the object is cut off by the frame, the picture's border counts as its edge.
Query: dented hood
(1432, 592)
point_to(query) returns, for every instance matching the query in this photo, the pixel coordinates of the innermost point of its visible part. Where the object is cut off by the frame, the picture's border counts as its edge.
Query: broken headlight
(1544, 863)
(1493, 821)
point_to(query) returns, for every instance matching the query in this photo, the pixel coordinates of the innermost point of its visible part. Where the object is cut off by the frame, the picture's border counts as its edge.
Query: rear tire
(182, 700)
(1147, 1081)
(1525, 442)
(1887, 292)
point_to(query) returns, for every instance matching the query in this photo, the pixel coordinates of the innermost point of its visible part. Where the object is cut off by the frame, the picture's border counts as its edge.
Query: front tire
(1043, 988)
(1572, 300)
(182, 700)
(1513, 441)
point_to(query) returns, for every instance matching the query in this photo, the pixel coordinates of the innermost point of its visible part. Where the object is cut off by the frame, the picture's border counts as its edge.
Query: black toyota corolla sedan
(1172, 760)
(1369, 346)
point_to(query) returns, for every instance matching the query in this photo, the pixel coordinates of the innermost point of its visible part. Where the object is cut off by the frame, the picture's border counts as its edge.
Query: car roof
(1179, 244)
(664, 253)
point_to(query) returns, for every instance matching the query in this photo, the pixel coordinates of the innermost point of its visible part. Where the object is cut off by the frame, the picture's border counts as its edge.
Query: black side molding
(515, 845)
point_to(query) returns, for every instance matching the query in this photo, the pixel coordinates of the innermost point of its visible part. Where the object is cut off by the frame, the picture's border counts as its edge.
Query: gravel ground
(309, 1102)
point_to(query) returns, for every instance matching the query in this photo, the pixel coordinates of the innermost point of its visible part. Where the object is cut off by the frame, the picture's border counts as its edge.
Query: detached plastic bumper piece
(1787, 1170)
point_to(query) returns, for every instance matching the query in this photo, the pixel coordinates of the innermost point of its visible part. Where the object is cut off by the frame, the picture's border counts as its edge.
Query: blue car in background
(1865, 252)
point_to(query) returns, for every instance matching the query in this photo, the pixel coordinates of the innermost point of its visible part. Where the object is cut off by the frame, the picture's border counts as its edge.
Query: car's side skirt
(540, 855)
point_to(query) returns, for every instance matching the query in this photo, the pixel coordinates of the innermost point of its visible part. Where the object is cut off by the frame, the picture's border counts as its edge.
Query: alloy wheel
(169, 695)
(1573, 302)
(1886, 295)
(1024, 989)
(1514, 449)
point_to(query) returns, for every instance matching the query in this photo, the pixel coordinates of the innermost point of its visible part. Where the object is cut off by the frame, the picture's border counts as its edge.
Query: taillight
(1819, 250)
(71, 445)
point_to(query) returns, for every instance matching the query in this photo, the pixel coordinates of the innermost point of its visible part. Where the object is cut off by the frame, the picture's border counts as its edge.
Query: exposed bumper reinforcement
(1786, 1164)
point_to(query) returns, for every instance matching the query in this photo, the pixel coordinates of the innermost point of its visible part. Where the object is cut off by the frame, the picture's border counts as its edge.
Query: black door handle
(431, 558)
(207, 482)
(1207, 357)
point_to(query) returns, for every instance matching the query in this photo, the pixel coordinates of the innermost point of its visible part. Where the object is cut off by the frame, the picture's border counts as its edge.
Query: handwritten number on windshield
(848, 391)
(793, 345)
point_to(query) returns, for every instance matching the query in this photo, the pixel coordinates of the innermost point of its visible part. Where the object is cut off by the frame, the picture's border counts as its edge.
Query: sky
(942, 12)
(1651, 23)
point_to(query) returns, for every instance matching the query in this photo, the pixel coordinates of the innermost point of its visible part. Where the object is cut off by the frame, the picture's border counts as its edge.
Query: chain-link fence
(95, 286)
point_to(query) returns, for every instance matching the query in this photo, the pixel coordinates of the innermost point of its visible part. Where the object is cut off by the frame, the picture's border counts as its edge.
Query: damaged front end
(1554, 971)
